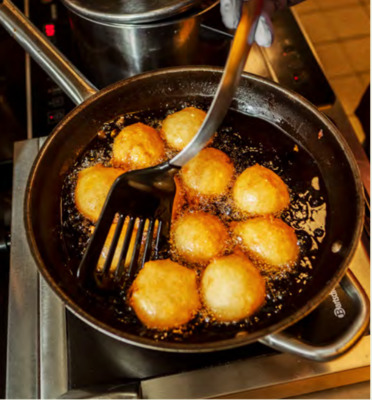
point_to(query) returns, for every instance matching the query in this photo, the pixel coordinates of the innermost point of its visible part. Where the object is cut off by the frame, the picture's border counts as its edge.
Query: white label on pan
(338, 311)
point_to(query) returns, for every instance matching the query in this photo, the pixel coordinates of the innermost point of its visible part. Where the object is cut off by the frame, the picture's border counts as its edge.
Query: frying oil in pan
(247, 141)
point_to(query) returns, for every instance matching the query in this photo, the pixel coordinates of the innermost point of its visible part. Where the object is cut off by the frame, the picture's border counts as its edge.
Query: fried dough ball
(138, 146)
(209, 173)
(164, 294)
(180, 127)
(260, 191)
(268, 239)
(232, 288)
(198, 237)
(93, 185)
(106, 247)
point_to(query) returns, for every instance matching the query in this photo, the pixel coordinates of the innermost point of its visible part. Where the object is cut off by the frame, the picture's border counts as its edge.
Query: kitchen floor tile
(307, 6)
(357, 52)
(332, 4)
(365, 78)
(355, 391)
(357, 126)
(334, 60)
(365, 84)
(318, 27)
(367, 9)
(340, 33)
(348, 22)
(349, 90)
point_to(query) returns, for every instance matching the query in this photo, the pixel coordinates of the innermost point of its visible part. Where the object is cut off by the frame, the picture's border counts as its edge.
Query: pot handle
(56, 65)
(285, 342)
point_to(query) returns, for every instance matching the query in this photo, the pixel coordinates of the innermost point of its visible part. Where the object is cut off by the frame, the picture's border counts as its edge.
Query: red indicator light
(295, 78)
(51, 117)
(50, 30)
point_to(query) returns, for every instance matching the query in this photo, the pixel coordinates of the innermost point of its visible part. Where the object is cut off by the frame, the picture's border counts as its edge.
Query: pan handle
(285, 342)
(56, 65)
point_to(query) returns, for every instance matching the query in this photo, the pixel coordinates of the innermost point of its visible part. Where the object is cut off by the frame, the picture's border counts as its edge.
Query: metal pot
(116, 40)
(292, 114)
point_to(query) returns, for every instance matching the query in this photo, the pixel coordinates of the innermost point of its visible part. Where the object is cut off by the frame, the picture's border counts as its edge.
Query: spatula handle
(242, 43)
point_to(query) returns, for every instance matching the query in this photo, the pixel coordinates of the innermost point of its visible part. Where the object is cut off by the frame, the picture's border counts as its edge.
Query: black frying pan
(295, 122)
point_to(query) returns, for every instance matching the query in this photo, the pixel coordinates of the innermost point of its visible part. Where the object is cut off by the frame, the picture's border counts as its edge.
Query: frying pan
(295, 117)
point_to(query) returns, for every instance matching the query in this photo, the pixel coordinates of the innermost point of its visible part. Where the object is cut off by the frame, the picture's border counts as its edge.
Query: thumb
(264, 35)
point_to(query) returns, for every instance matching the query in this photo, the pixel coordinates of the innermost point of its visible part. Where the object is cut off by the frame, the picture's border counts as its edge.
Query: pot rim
(121, 21)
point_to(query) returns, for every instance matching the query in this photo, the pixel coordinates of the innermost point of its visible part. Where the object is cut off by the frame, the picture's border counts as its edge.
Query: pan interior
(285, 135)
(247, 141)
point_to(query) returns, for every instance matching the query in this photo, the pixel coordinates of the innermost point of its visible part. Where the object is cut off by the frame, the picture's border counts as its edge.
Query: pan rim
(218, 344)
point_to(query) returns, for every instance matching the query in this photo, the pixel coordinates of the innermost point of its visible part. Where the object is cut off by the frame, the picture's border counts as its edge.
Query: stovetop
(52, 352)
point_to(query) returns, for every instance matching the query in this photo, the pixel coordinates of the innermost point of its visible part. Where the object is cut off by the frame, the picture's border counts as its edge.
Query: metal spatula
(146, 196)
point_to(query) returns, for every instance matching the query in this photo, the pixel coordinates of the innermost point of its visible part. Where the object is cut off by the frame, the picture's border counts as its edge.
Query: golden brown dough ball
(180, 127)
(260, 191)
(198, 237)
(106, 247)
(209, 173)
(138, 146)
(232, 288)
(164, 294)
(268, 239)
(93, 185)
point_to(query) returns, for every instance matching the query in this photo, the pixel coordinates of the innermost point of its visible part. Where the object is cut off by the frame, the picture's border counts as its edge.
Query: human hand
(231, 10)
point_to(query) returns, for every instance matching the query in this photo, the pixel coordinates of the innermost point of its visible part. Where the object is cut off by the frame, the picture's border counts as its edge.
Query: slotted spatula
(145, 197)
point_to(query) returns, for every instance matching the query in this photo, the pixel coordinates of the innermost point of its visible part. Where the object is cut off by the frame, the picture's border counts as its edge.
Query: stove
(289, 61)
(54, 354)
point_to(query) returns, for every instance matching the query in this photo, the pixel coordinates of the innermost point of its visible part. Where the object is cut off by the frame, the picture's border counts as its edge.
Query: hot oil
(246, 141)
